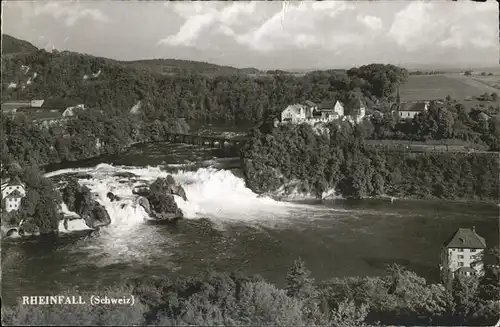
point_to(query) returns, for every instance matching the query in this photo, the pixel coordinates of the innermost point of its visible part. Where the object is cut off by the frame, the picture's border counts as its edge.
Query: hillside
(178, 88)
(12, 45)
(175, 66)
(437, 87)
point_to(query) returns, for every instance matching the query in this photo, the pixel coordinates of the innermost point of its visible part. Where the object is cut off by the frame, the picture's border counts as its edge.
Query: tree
(299, 283)
(464, 293)
(348, 314)
(40, 207)
(489, 284)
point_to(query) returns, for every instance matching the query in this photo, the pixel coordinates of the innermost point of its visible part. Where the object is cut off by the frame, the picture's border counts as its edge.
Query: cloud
(372, 22)
(70, 12)
(300, 26)
(413, 27)
(199, 18)
(424, 24)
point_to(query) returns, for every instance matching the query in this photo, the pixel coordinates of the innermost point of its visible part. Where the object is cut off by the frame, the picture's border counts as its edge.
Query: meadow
(493, 81)
(434, 87)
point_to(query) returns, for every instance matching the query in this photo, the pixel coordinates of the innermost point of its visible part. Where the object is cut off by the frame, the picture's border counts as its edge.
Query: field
(434, 87)
(493, 81)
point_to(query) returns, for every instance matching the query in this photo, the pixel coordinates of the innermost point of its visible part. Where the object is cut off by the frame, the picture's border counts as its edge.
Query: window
(460, 256)
(460, 264)
(460, 250)
(472, 250)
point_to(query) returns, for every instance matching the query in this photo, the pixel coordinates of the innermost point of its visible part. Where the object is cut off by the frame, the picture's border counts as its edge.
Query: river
(228, 227)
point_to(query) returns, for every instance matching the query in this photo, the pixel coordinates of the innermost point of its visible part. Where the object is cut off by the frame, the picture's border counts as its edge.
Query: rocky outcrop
(113, 197)
(158, 200)
(144, 202)
(96, 217)
(78, 199)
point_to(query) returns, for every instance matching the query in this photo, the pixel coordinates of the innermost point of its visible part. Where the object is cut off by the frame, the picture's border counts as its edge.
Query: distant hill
(12, 45)
(175, 66)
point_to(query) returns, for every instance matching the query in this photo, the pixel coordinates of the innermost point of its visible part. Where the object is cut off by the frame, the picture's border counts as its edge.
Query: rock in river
(159, 202)
(79, 200)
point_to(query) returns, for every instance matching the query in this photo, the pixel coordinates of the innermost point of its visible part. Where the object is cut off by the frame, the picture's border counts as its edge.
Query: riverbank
(235, 299)
(296, 160)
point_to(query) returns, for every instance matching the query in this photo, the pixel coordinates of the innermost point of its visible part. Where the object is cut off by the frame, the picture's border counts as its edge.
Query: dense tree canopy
(442, 121)
(303, 159)
(231, 299)
(89, 134)
(192, 95)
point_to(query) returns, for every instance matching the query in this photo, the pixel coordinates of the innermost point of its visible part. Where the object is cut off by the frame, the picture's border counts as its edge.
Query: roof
(14, 181)
(412, 106)
(14, 105)
(310, 103)
(465, 238)
(14, 194)
(37, 103)
(46, 114)
(294, 107)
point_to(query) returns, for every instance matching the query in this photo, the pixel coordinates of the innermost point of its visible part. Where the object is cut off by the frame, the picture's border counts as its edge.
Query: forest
(400, 297)
(445, 120)
(114, 87)
(300, 158)
(90, 134)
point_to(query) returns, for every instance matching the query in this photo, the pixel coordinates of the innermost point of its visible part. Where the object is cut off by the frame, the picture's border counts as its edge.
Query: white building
(311, 113)
(36, 103)
(408, 110)
(70, 111)
(13, 201)
(136, 108)
(13, 192)
(462, 254)
(295, 114)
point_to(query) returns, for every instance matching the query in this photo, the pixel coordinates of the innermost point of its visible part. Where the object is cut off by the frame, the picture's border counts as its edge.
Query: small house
(408, 110)
(13, 201)
(71, 111)
(464, 249)
(36, 103)
(294, 114)
(136, 109)
(13, 185)
(329, 111)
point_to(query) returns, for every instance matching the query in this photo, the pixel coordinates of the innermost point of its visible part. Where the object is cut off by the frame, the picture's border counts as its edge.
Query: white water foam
(73, 225)
(211, 193)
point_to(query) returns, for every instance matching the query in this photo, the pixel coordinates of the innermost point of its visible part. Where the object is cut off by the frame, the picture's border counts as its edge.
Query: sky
(265, 35)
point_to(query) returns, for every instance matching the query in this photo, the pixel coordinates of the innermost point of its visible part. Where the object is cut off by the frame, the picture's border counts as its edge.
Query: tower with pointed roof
(462, 254)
